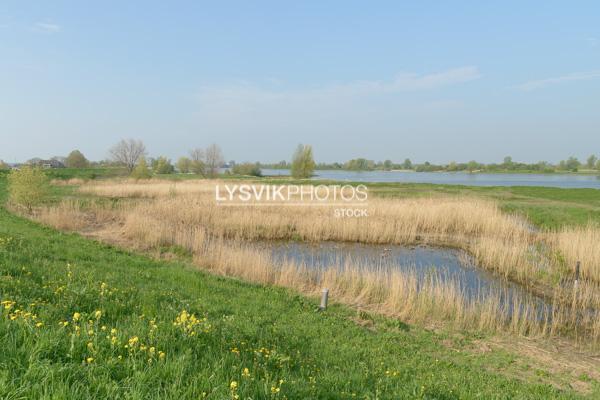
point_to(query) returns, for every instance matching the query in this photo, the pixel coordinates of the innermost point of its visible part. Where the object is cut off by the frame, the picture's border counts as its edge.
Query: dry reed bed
(185, 214)
(503, 243)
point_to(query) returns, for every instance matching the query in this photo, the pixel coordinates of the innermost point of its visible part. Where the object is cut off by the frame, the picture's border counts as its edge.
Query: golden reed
(154, 213)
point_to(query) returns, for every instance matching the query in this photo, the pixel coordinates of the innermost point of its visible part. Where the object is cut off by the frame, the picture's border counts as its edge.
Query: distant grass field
(81, 319)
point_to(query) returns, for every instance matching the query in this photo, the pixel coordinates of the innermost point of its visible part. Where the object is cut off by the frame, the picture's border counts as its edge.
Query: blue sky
(382, 80)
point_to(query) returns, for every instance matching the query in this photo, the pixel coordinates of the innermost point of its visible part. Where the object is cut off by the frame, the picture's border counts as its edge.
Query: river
(567, 181)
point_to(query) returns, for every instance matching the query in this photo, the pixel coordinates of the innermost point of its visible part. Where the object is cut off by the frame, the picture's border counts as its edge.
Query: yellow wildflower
(76, 316)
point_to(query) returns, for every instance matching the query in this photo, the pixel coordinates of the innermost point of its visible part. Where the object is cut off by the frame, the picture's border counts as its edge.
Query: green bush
(28, 186)
(247, 169)
(163, 165)
(141, 170)
(303, 163)
(77, 160)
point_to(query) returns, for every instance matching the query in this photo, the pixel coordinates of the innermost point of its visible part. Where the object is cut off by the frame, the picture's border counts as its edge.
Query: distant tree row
(206, 162)
(571, 164)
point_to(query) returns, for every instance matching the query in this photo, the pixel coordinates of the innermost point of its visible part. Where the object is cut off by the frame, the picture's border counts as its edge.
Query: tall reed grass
(154, 214)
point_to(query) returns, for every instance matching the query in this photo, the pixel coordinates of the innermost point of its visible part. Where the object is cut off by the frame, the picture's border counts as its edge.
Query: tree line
(132, 155)
(571, 164)
(207, 162)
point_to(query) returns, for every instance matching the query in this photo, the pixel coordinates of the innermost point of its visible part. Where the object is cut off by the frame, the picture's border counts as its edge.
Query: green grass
(290, 350)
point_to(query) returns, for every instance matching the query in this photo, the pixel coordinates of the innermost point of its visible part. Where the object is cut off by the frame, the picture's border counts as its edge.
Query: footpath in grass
(81, 319)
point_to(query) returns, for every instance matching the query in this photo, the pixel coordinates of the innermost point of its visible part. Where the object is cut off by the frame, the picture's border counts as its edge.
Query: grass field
(95, 321)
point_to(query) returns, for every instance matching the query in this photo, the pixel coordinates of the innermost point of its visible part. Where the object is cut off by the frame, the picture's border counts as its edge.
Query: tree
(141, 170)
(3, 165)
(591, 161)
(472, 165)
(388, 165)
(508, 162)
(303, 163)
(213, 160)
(28, 186)
(598, 165)
(197, 165)
(128, 153)
(407, 164)
(184, 165)
(76, 159)
(359, 164)
(163, 166)
(247, 169)
(572, 164)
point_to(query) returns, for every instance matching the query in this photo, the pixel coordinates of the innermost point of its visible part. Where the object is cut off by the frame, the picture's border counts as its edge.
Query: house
(46, 163)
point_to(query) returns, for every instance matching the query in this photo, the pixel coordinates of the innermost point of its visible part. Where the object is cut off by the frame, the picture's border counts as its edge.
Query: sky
(429, 81)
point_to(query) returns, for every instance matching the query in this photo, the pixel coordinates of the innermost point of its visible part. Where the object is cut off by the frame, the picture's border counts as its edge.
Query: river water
(455, 178)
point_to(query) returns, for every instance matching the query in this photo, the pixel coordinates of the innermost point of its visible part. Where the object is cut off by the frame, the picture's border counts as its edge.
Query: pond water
(455, 178)
(422, 261)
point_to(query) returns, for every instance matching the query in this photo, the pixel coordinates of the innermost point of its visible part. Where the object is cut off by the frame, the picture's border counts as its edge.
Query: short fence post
(324, 299)
(577, 270)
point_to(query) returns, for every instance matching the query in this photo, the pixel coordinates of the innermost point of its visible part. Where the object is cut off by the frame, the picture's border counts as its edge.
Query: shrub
(247, 169)
(163, 166)
(184, 165)
(303, 163)
(28, 186)
(141, 170)
(77, 160)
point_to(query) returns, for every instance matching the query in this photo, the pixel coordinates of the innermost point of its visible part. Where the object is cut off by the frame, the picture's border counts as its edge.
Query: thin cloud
(592, 41)
(435, 80)
(403, 82)
(410, 82)
(47, 27)
(542, 83)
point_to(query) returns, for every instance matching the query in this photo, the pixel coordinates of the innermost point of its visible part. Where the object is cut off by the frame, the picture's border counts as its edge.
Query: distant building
(46, 163)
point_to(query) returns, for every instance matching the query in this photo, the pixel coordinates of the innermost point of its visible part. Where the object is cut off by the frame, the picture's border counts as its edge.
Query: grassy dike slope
(246, 341)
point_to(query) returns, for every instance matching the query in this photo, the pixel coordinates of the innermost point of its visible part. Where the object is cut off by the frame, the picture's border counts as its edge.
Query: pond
(447, 265)
(455, 178)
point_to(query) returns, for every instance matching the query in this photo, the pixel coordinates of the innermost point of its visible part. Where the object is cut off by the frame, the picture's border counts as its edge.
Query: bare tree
(197, 161)
(213, 160)
(128, 152)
